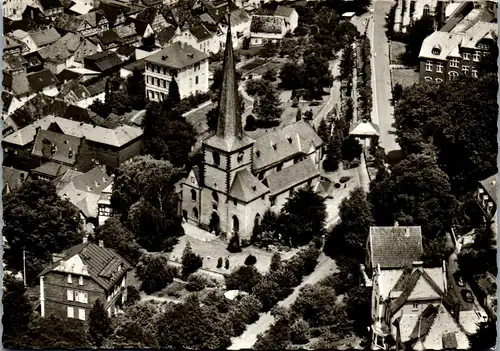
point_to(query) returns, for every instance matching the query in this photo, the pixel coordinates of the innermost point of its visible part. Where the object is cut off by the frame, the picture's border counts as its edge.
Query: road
(382, 112)
(246, 340)
(334, 97)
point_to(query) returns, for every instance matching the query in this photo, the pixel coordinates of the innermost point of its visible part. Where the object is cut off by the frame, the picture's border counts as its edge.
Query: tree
(351, 149)
(269, 50)
(275, 262)
(485, 338)
(308, 115)
(268, 107)
(416, 192)
(196, 282)
(133, 296)
(270, 75)
(485, 237)
(101, 108)
(258, 87)
(244, 279)
(190, 261)
(316, 304)
(53, 225)
(173, 92)
(115, 236)
(17, 310)
(278, 337)
(324, 131)
(136, 90)
(155, 273)
(298, 116)
(290, 75)
(251, 123)
(99, 324)
(167, 135)
(333, 154)
(397, 92)
(234, 244)
(250, 260)
(316, 74)
(299, 333)
(416, 33)
(303, 217)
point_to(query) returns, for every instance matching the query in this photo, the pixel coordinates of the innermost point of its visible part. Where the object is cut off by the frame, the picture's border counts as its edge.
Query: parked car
(459, 279)
(467, 295)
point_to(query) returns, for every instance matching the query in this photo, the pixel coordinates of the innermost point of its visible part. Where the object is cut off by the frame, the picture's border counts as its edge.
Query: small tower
(226, 152)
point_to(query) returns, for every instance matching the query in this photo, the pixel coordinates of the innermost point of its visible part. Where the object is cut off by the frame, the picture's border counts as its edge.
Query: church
(241, 178)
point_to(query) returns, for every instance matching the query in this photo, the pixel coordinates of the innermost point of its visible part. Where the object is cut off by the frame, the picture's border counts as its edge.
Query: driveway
(382, 112)
(325, 267)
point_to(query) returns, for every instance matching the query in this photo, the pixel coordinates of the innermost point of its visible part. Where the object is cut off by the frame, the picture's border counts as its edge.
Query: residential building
(409, 11)
(187, 65)
(87, 25)
(152, 16)
(14, 46)
(290, 15)
(264, 29)
(67, 52)
(104, 208)
(460, 16)
(13, 179)
(109, 147)
(215, 20)
(486, 196)
(204, 40)
(50, 8)
(14, 9)
(240, 178)
(25, 86)
(35, 40)
(445, 56)
(485, 288)
(105, 61)
(14, 64)
(78, 277)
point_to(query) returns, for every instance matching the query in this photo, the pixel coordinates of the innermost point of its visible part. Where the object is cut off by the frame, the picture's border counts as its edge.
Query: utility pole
(24, 267)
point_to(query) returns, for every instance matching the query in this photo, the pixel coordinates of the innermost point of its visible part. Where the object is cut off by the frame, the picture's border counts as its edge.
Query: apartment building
(179, 61)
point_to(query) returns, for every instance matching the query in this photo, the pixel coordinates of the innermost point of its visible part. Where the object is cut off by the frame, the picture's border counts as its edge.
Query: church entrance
(214, 224)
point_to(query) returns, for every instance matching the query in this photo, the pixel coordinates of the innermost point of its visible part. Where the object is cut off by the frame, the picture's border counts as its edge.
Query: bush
(251, 123)
(227, 263)
(157, 275)
(299, 332)
(196, 282)
(174, 290)
(190, 261)
(234, 244)
(270, 75)
(250, 260)
(244, 279)
(315, 103)
(317, 242)
(275, 262)
(133, 295)
(220, 261)
(245, 243)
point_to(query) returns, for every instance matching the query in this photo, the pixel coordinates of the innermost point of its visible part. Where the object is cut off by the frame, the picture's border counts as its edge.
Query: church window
(216, 157)
(236, 224)
(240, 157)
(214, 207)
(280, 166)
(273, 201)
(192, 180)
(193, 195)
(215, 196)
(427, 10)
(235, 203)
(195, 212)
(261, 175)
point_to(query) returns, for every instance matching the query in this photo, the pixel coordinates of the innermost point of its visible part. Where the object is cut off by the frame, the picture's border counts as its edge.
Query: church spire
(229, 124)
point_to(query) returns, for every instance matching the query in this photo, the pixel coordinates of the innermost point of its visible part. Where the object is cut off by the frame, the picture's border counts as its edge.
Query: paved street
(382, 112)
(325, 267)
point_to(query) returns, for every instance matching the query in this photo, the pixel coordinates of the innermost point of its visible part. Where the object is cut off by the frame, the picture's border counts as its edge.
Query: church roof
(291, 176)
(246, 187)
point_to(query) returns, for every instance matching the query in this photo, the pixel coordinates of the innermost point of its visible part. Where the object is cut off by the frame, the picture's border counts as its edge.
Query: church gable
(193, 178)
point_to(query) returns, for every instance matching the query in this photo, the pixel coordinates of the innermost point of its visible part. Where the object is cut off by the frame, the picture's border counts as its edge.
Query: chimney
(101, 243)
(418, 265)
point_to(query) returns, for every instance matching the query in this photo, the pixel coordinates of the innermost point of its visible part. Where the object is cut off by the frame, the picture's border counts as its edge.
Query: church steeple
(229, 121)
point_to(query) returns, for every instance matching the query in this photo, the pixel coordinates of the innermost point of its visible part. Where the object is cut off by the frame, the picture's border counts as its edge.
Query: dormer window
(436, 51)
(289, 139)
(254, 188)
(275, 147)
(257, 153)
(240, 157)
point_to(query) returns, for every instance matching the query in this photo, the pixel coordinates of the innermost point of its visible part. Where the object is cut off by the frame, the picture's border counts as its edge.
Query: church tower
(225, 153)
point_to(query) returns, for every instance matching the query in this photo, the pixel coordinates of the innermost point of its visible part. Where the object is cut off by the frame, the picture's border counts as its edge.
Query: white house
(186, 64)
(265, 29)
(290, 15)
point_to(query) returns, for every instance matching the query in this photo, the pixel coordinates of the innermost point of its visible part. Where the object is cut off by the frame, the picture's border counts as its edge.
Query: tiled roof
(487, 283)
(113, 137)
(445, 332)
(80, 8)
(147, 15)
(56, 147)
(67, 75)
(239, 16)
(284, 11)
(73, 90)
(65, 47)
(97, 88)
(12, 62)
(490, 185)
(126, 50)
(13, 177)
(395, 247)
(165, 35)
(45, 36)
(138, 64)
(19, 34)
(99, 262)
(108, 37)
(68, 23)
(10, 42)
(126, 31)
(51, 169)
(424, 323)
(41, 80)
(246, 187)
(479, 31)
(267, 24)
(105, 60)
(291, 176)
(94, 18)
(200, 32)
(284, 143)
(445, 42)
(177, 56)
(19, 83)
(111, 11)
(450, 341)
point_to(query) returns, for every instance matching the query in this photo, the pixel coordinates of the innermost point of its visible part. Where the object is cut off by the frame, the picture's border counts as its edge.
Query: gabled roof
(19, 34)
(56, 147)
(80, 8)
(45, 36)
(200, 32)
(13, 62)
(284, 11)
(246, 187)
(51, 169)
(364, 128)
(65, 48)
(94, 18)
(68, 23)
(177, 56)
(165, 35)
(147, 15)
(446, 41)
(279, 145)
(125, 50)
(291, 176)
(239, 16)
(41, 80)
(395, 247)
(490, 185)
(105, 60)
(425, 322)
(101, 263)
(267, 24)
(478, 32)
(13, 178)
(111, 11)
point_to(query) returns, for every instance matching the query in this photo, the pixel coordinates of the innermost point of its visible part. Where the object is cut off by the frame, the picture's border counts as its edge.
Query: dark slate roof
(109, 37)
(50, 4)
(267, 24)
(424, 323)
(101, 263)
(291, 176)
(490, 185)
(200, 32)
(147, 15)
(126, 50)
(67, 75)
(77, 113)
(45, 36)
(105, 60)
(51, 169)
(65, 147)
(177, 56)
(395, 247)
(246, 187)
(97, 88)
(13, 177)
(111, 11)
(165, 35)
(41, 80)
(6, 99)
(138, 64)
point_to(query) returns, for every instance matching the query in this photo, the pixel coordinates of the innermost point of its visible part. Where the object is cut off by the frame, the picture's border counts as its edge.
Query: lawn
(253, 51)
(396, 49)
(404, 76)
(252, 65)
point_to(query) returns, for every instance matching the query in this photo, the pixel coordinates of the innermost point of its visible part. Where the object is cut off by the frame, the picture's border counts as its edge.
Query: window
(70, 295)
(214, 207)
(438, 80)
(474, 72)
(197, 66)
(465, 69)
(439, 68)
(273, 201)
(193, 195)
(81, 314)
(428, 79)
(453, 75)
(71, 312)
(415, 307)
(280, 166)
(195, 212)
(454, 63)
(240, 157)
(80, 280)
(190, 82)
(216, 158)
(215, 196)
(379, 341)
(69, 279)
(196, 80)
(192, 180)
(81, 297)
(261, 175)
(427, 10)
(164, 83)
(436, 51)
(477, 56)
(466, 56)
